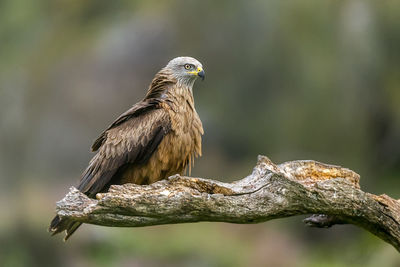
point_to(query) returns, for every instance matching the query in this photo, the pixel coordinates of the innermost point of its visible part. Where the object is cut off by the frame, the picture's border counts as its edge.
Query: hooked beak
(201, 74)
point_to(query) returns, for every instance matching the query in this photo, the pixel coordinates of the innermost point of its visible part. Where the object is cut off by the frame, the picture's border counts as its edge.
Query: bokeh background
(288, 79)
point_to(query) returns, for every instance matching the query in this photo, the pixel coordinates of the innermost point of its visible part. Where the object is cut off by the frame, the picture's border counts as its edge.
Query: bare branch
(270, 192)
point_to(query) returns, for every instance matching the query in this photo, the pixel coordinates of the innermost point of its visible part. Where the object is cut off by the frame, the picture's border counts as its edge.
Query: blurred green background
(288, 79)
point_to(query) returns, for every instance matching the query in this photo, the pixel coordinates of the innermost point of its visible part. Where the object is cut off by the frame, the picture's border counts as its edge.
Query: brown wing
(135, 111)
(131, 139)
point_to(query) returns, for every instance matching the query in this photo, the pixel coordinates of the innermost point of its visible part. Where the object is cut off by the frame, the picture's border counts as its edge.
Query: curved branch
(270, 192)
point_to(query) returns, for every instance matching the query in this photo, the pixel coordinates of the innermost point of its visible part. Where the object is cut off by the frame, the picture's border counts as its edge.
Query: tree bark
(269, 192)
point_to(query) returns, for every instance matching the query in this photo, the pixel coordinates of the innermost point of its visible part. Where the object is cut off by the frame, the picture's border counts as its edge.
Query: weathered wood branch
(270, 192)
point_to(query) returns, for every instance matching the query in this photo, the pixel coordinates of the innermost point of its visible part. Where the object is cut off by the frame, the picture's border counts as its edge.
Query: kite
(157, 137)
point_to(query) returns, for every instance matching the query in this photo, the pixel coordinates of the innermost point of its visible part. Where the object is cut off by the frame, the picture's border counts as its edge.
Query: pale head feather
(184, 76)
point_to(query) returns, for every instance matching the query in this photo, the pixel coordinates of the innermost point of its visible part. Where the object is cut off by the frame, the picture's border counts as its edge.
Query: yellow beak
(199, 72)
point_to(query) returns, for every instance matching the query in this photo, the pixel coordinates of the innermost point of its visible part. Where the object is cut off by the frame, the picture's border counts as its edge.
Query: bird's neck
(165, 86)
(180, 95)
(160, 84)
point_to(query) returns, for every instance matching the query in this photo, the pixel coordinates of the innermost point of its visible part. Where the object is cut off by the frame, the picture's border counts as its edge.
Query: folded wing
(129, 141)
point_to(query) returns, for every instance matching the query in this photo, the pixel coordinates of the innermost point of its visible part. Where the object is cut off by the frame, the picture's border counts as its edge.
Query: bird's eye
(187, 66)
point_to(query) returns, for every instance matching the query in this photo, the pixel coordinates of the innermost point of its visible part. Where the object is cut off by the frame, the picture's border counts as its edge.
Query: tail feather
(59, 224)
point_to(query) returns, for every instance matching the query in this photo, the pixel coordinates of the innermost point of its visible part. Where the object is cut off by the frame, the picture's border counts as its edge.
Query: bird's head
(186, 69)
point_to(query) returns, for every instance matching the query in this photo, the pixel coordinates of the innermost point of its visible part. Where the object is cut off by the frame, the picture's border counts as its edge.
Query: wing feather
(137, 110)
(131, 139)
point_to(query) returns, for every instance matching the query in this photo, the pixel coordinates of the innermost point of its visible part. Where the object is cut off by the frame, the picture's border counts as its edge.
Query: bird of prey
(157, 137)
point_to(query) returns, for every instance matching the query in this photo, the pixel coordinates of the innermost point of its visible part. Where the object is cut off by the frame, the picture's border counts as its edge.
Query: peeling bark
(270, 192)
